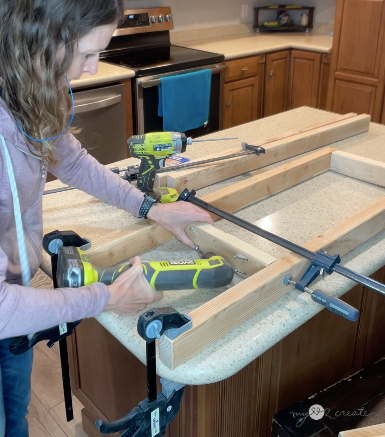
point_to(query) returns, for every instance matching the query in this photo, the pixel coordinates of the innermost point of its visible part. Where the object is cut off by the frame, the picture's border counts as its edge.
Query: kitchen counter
(237, 46)
(107, 73)
(234, 46)
(327, 199)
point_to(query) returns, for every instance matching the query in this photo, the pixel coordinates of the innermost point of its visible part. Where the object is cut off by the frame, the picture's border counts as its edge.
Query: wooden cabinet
(304, 78)
(243, 91)
(276, 82)
(324, 81)
(309, 75)
(109, 381)
(272, 83)
(358, 58)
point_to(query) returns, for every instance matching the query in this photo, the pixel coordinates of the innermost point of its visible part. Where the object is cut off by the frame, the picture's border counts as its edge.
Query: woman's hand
(176, 216)
(130, 292)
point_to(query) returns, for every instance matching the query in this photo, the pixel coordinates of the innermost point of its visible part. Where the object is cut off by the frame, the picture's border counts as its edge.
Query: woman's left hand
(176, 216)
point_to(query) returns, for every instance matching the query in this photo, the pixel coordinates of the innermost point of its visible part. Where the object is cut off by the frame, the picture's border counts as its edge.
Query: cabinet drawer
(241, 68)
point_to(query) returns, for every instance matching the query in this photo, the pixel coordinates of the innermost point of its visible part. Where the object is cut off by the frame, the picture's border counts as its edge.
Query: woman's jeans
(15, 391)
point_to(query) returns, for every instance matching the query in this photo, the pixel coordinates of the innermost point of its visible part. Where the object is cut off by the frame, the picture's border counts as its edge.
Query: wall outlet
(244, 11)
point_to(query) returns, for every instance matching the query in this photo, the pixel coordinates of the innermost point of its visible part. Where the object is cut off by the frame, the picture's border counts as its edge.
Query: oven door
(146, 102)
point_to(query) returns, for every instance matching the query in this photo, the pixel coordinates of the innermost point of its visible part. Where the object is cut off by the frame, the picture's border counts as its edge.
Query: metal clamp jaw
(321, 261)
(153, 323)
(152, 416)
(54, 240)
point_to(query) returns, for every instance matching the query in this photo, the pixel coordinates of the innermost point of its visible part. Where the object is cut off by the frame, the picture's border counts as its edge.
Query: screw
(240, 256)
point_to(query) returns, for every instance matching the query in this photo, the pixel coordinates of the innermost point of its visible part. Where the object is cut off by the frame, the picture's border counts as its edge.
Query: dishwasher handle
(148, 83)
(89, 106)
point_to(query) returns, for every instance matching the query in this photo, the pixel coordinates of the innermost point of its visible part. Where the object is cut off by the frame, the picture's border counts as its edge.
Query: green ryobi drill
(74, 269)
(152, 149)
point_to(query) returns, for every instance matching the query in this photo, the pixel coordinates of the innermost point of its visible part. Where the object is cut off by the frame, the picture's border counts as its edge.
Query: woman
(43, 45)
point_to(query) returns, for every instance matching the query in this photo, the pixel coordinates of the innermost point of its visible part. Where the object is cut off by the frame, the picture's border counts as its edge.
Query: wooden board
(277, 149)
(358, 167)
(368, 431)
(244, 258)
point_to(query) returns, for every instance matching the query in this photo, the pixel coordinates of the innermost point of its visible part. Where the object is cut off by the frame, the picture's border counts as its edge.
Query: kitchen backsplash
(203, 14)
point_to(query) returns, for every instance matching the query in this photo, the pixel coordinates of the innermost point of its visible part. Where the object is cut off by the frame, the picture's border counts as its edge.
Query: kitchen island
(278, 357)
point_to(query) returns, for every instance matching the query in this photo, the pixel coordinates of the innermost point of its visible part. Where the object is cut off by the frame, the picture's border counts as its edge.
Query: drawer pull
(271, 74)
(228, 105)
(244, 69)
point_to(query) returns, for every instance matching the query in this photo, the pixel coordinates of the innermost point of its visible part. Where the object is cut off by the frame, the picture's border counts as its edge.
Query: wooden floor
(46, 416)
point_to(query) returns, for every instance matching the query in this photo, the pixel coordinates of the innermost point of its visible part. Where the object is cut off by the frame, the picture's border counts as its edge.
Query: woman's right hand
(130, 292)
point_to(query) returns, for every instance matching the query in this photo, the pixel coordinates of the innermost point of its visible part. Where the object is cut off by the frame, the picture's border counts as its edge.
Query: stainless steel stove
(142, 44)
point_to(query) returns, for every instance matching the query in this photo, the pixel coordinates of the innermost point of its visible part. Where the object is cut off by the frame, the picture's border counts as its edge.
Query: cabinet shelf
(279, 9)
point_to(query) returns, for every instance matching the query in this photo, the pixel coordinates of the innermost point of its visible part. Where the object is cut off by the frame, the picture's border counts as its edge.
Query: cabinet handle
(271, 74)
(228, 105)
(87, 106)
(244, 69)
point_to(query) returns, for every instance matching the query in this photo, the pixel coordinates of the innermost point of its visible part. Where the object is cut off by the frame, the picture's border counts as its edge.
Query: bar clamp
(153, 415)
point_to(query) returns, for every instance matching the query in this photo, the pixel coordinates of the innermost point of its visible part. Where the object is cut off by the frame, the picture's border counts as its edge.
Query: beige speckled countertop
(327, 200)
(236, 46)
(107, 73)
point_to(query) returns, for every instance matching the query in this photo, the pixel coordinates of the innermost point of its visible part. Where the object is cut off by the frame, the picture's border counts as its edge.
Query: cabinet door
(323, 81)
(358, 58)
(353, 97)
(305, 75)
(242, 100)
(276, 82)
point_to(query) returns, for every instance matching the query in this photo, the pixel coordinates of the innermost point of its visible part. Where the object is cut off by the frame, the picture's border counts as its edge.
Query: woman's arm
(81, 170)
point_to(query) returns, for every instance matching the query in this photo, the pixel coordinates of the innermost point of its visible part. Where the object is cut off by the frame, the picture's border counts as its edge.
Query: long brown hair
(34, 30)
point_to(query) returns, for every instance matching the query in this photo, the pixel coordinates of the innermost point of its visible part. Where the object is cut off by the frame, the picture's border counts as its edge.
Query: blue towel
(184, 100)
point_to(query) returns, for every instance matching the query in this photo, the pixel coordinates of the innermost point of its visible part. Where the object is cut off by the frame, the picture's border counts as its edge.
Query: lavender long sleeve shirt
(23, 309)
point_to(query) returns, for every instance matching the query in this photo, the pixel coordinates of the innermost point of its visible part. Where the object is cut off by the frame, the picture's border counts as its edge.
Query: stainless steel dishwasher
(99, 113)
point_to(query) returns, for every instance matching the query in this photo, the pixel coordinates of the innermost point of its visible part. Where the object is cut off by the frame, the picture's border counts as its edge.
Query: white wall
(199, 14)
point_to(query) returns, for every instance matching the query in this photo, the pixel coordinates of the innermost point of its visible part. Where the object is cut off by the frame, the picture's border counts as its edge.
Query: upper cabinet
(356, 82)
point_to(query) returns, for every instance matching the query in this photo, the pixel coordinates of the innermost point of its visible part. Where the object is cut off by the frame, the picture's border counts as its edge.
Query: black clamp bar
(152, 416)
(330, 263)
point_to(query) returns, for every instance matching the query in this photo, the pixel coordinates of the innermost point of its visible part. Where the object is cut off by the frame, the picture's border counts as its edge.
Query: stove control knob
(152, 19)
(160, 18)
(168, 17)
